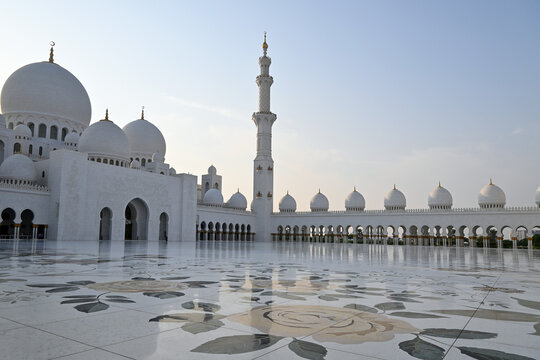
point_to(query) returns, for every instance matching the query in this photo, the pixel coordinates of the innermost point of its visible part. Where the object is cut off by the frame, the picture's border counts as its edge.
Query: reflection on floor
(218, 300)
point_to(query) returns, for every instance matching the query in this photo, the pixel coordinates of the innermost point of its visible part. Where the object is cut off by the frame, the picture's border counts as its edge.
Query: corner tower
(263, 165)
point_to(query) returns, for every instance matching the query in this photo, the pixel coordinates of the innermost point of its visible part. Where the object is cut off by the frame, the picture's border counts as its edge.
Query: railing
(20, 185)
(225, 208)
(414, 211)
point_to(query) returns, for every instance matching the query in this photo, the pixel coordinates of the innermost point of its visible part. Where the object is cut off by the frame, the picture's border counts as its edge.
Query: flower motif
(323, 323)
(132, 286)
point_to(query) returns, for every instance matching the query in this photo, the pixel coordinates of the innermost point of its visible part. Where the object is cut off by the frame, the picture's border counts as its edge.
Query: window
(54, 132)
(43, 174)
(31, 126)
(16, 148)
(30, 149)
(143, 162)
(64, 133)
(42, 131)
(40, 151)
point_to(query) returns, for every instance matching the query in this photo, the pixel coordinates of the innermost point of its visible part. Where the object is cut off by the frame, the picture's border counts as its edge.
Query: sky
(367, 93)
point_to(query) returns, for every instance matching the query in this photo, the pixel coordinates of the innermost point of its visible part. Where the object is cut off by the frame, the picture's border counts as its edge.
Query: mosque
(64, 178)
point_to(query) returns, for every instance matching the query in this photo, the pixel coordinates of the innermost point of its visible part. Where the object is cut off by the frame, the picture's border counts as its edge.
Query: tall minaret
(263, 165)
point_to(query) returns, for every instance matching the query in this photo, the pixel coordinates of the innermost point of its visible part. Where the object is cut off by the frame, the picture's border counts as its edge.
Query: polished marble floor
(238, 300)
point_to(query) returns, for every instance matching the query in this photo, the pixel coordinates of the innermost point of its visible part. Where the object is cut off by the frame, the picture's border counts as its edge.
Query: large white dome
(287, 203)
(18, 167)
(46, 88)
(355, 201)
(537, 197)
(440, 198)
(104, 139)
(144, 137)
(237, 201)
(213, 197)
(395, 200)
(319, 202)
(491, 196)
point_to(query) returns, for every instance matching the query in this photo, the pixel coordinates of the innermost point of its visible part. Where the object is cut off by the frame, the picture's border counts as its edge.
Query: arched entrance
(163, 226)
(136, 214)
(105, 224)
(7, 226)
(27, 227)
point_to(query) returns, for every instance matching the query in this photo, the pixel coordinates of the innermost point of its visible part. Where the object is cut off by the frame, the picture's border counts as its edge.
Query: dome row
(139, 137)
(213, 197)
(491, 196)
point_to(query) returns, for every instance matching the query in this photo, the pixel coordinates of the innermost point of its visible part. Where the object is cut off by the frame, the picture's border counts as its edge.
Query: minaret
(263, 165)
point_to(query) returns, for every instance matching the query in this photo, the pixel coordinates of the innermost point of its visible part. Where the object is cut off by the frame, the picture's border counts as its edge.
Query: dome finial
(319, 190)
(265, 45)
(439, 183)
(354, 188)
(287, 192)
(238, 190)
(394, 186)
(490, 181)
(51, 54)
(142, 113)
(107, 114)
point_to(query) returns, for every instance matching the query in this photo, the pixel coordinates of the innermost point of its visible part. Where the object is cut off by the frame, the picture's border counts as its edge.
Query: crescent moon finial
(51, 54)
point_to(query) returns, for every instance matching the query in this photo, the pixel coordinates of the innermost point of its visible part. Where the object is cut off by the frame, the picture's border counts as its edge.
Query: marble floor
(238, 300)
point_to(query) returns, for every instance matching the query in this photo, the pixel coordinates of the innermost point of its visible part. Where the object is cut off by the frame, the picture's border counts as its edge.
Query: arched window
(40, 151)
(54, 132)
(30, 149)
(117, 163)
(64, 133)
(143, 162)
(98, 160)
(216, 186)
(31, 127)
(42, 131)
(10, 126)
(16, 148)
(43, 174)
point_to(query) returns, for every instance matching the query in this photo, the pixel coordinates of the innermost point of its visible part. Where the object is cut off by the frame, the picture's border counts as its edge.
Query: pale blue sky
(367, 93)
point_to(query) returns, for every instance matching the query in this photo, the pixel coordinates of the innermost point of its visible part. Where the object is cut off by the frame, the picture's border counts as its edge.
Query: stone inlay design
(324, 323)
(132, 286)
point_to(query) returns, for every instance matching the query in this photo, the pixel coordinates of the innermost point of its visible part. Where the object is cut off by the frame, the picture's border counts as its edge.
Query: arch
(42, 131)
(31, 127)
(136, 214)
(30, 149)
(7, 226)
(243, 232)
(64, 133)
(10, 126)
(248, 232)
(17, 148)
(287, 232)
(216, 186)
(105, 224)
(206, 187)
(210, 231)
(236, 232)
(2, 145)
(280, 232)
(143, 162)
(224, 231)
(163, 226)
(218, 232)
(27, 227)
(54, 132)
(40, 152)
(231, 232)
(203, 231)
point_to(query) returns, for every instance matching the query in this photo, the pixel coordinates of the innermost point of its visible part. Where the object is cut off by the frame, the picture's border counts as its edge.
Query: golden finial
(264, 45)
(354, 188)
(238, 190)
(142, 113)
(51, 54)
(394, 186)
(319, 190)
(287, 192)
(490, 181)
(107, 115)
(439, 183)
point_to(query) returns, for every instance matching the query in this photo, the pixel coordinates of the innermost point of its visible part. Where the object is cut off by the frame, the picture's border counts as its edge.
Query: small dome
(135, 164)
(237, 201)
(440, 198)
(22, 131)
(355, 201)
(72, 138)
(144, 138)
(395, 200)
(212, 170)
(18, 167)
(158, 157)
(172, 171)
(491, 196)
(287, 203)
(537, 197)
(213, 197)
(319, 202)
(104, 138)
(48, 89)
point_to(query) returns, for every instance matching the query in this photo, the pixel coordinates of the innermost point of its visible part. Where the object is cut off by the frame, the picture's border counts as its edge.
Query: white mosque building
(64, 178)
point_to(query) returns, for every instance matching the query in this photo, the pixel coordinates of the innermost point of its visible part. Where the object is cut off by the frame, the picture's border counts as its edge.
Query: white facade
(64, 178)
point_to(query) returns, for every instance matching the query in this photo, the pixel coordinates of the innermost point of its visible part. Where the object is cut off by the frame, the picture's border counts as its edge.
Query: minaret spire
(51, 54)
(263, 165)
